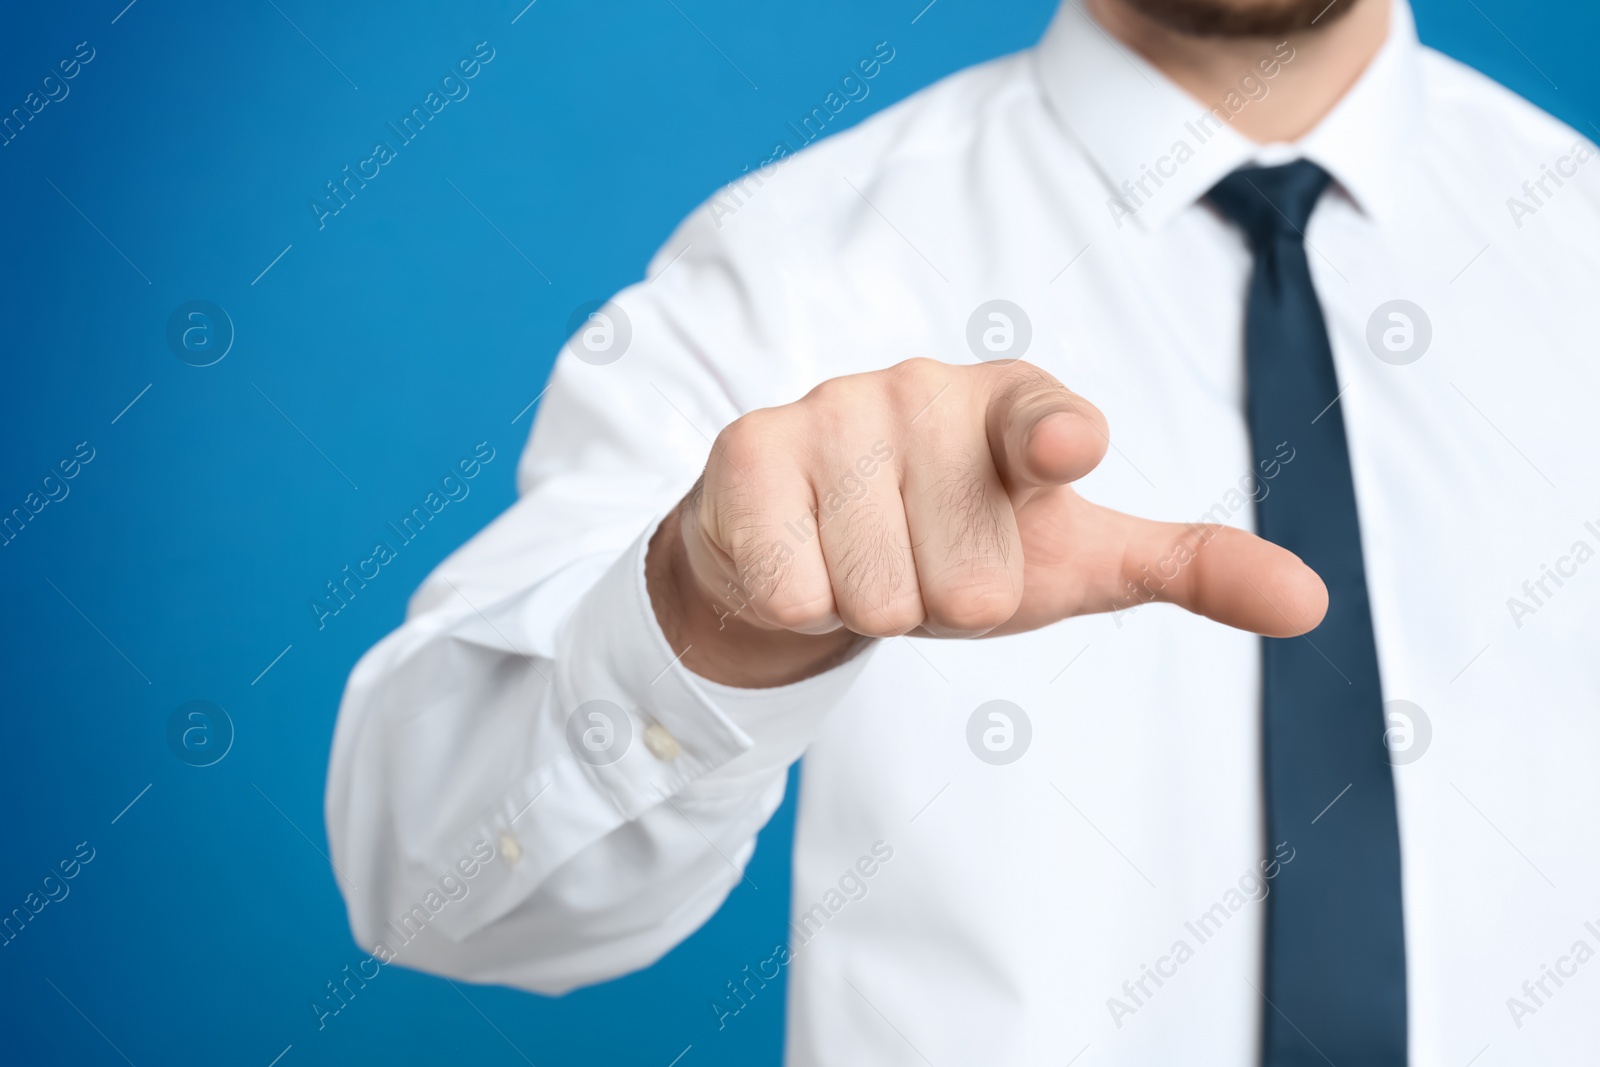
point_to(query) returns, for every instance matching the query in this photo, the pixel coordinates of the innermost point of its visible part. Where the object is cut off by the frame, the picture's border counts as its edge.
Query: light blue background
(395, 338)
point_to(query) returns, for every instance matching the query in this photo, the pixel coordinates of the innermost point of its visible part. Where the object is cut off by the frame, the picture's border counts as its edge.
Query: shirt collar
(1159, 150)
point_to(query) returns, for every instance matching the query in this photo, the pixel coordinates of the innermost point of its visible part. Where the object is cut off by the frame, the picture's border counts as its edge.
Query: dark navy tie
(1334, 980)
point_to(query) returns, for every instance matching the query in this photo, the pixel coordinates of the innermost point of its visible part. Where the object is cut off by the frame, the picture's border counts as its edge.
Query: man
(1017, 359)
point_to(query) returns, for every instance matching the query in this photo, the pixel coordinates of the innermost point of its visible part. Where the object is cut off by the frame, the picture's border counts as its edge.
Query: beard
(1239, 18)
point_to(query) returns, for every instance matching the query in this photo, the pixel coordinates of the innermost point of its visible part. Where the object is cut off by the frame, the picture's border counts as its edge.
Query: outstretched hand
(933, 499)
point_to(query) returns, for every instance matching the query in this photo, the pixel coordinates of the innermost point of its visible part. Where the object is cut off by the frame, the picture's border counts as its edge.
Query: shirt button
(662, 745)
(510, 849)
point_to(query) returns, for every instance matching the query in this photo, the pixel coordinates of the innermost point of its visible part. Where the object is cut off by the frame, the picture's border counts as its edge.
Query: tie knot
(1270, 202)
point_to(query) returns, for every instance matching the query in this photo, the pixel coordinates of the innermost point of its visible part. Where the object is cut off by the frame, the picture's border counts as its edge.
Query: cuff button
(510, 849)
(662, 745)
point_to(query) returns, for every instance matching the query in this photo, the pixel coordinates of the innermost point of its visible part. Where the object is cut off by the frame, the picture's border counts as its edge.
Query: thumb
(1040, 432)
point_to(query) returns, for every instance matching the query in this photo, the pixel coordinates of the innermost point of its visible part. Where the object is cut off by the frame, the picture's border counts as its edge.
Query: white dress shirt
(1100, 891)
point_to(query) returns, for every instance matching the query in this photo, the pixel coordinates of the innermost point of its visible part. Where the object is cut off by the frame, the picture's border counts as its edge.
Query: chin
(1240, 18)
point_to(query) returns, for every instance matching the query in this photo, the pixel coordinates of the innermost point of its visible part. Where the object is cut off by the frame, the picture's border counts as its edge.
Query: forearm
(454, 742)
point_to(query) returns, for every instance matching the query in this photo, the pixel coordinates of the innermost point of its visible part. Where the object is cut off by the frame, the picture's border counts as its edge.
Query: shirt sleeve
(526, 785)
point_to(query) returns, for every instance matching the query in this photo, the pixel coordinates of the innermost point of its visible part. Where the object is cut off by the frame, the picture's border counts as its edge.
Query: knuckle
(795, 609)
(830, 412)
(833, 394)
(888, 618)
(759, 556)
(903, 615)
(742, 526)
(917, 368)
(742, 443)
(973, 609)
(1023, 381)
(1029, 371)
(911, 380)
(702, 513)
